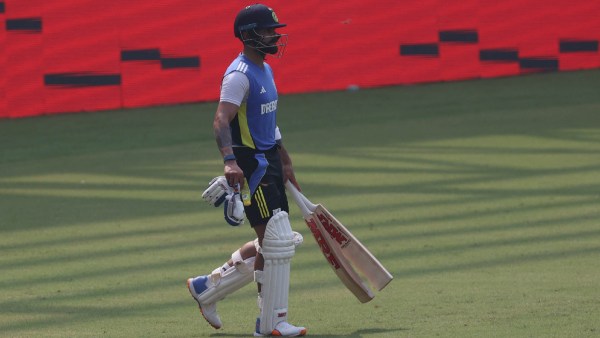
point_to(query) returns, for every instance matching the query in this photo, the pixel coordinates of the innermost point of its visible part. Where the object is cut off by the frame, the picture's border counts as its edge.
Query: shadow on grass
(400, 129)
(357, 334)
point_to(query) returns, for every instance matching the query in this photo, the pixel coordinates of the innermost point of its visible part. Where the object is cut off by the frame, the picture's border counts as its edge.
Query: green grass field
(481, 197)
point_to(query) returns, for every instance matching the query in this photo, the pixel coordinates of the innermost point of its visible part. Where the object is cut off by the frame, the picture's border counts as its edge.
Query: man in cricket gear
(245, 129)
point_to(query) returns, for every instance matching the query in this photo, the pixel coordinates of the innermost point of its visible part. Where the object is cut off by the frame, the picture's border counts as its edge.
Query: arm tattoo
(223, 137)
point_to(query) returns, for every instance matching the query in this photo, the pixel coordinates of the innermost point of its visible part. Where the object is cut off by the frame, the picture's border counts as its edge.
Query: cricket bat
(342, 249)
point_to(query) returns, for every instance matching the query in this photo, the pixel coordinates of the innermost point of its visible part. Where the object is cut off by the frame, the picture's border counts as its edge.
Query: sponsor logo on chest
(268, 107)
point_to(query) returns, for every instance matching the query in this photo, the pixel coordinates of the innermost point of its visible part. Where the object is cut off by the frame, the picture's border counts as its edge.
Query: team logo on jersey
(263, 90)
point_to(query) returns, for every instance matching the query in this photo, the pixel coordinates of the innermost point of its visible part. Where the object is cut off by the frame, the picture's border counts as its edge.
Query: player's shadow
(355, 334)
(360, 333)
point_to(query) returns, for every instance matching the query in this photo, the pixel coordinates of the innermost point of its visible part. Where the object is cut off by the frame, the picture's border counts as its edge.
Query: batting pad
(225, 283)
(277, 249)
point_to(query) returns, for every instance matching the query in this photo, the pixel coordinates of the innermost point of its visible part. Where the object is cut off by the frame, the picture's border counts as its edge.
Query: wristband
(228, 157)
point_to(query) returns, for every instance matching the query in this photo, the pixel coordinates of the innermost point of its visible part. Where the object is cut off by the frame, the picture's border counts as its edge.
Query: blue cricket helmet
(255, 16)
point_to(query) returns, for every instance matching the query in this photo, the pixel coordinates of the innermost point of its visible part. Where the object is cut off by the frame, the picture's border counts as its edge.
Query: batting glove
(217, 191)
(234, 209)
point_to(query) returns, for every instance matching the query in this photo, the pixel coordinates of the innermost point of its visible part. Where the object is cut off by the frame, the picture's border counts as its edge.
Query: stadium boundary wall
(87, 55)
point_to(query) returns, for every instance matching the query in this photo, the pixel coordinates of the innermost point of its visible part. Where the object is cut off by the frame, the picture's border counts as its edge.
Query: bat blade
(341, 249)
(353, 250)
(342, 268)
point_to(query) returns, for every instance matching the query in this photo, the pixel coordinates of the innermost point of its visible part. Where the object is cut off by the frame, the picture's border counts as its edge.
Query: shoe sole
(276, 333)
(189, 286)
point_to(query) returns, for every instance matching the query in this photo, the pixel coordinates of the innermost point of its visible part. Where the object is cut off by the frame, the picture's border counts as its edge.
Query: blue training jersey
(255, 123)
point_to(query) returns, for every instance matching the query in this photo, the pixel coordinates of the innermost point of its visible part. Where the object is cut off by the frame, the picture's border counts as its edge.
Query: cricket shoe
(209, 311)
(282, 329)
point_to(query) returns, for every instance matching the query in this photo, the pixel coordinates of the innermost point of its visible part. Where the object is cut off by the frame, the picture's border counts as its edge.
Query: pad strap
(223, 283)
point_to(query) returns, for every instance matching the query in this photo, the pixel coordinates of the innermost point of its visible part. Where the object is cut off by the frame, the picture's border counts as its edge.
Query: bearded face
(270, 44)
(266, 41)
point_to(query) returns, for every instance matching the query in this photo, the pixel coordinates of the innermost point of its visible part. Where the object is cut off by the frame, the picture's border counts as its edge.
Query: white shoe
(282, 329)
(208, 311)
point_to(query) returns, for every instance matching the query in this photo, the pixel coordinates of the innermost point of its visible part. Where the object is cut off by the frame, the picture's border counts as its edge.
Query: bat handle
(299, 199)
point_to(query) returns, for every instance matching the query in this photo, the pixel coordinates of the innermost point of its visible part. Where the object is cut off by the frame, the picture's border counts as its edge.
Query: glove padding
(217, 191)
(234, 209)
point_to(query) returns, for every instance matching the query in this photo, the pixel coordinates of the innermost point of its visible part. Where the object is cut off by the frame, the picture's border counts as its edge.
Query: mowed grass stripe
(480, 197)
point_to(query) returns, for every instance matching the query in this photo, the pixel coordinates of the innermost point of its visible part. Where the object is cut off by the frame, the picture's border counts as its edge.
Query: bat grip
(299, 199)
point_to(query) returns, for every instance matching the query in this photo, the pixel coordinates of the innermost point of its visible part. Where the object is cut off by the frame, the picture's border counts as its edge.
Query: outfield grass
(481, 197)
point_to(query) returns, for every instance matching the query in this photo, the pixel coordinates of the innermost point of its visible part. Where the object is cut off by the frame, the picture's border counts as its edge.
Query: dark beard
(270, 50)
(270, 47)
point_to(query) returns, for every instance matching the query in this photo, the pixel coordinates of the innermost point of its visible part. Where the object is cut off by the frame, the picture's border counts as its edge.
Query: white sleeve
(235, 88)
(277, 134)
